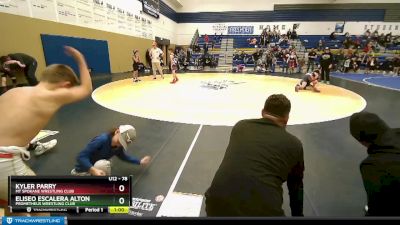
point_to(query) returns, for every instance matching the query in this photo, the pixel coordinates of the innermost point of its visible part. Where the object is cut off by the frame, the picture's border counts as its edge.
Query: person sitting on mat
(94, 159)
(310, 79)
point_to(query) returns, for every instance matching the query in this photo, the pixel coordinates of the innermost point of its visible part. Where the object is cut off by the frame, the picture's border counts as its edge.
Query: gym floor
(185, 156)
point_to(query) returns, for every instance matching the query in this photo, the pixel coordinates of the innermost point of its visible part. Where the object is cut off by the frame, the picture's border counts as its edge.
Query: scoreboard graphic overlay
(70, 194)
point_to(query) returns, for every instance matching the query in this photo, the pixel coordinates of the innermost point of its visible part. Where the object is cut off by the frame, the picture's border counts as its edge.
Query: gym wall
(22, 34)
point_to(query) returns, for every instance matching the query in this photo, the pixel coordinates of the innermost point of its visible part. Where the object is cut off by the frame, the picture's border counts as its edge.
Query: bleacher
(217, 44)
(311, 41)
(239, 41)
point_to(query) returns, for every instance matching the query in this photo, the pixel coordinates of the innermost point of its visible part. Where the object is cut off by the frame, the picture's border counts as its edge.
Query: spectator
(380, 171)
(312, 55)
(354, 64)
(206, 39)
(205, 48)
(260, 157)
(340, 60)
(396, 65)
(273, 63)
(289, 34)
(326, 65)
(375, 35)
(294, 34)
(13, 63)
(292, 62)
(321, 44)
(302, 62)
(346, 64)
(372, 65)
(388, 37)
(367, 34)
(332, 36)
(253, 41)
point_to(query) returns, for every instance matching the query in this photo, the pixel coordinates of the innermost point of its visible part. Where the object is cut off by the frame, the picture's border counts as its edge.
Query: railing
(195, 38)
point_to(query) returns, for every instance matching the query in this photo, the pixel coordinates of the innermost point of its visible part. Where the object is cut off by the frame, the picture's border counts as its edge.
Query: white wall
(186, 31)
(86, 13)
(257, 5)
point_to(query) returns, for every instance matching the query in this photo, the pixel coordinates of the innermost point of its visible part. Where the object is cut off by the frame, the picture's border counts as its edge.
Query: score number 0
(121, 188)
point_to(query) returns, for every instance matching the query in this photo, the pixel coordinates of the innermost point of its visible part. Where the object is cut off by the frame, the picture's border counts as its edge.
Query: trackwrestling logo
(23, 220)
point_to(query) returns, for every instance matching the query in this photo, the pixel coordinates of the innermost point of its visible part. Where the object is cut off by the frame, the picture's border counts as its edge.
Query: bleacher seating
(311, 41)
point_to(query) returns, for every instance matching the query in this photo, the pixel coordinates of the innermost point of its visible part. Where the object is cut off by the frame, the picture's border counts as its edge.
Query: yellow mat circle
(196, 99)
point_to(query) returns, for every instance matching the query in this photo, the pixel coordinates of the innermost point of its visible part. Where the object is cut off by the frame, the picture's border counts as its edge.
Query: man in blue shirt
(94, 159)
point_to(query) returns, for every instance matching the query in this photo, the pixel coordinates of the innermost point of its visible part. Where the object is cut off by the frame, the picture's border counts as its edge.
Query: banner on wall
(152, 8)
(240, 29)
(339, 27)
(219, 28)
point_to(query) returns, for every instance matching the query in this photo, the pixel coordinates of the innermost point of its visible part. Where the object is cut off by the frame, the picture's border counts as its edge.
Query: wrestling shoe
(44, 147)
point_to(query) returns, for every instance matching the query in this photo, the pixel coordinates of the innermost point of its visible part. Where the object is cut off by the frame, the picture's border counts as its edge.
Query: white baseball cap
(127, 135)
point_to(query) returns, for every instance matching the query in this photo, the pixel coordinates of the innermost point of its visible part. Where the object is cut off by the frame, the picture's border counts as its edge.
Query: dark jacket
(326, 59)
(23, 58)
(381, 175)
(260, 157)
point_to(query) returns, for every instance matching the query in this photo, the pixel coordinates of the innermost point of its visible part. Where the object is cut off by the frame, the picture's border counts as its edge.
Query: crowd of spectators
(364, 52)
(267, 37)
(269, 58)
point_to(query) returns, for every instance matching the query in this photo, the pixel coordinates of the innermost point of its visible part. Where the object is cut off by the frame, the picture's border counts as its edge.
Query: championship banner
(240, 29)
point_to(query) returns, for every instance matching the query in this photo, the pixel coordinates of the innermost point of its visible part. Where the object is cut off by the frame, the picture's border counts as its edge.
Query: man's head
(59, 74)
(154, 45)
(327, 49)
(366, 127)
(277, 107)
